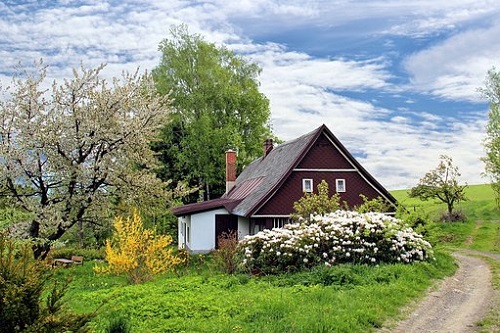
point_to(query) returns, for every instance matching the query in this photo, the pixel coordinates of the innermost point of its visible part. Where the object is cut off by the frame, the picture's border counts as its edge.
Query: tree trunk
(41, 250)
(80, 234)
(450, 212)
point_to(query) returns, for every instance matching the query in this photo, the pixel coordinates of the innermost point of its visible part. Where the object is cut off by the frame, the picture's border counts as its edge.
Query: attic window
(340, 185)
(307, 185)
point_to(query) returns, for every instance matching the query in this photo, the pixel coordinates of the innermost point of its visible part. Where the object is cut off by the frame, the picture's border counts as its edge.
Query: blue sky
(396, 81)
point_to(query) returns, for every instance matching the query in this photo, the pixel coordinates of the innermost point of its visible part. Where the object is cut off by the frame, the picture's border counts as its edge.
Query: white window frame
(305, 187)
(280, 222)
(340, 185)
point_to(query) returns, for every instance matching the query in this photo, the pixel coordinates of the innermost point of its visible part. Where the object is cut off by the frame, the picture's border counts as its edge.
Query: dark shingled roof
(203, 206)
(272, 170)
(263, 177)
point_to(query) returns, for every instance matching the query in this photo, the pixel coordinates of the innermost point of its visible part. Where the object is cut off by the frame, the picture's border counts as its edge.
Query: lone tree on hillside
(68, 157)
(442, 184)
(492, 141)
(217, 106)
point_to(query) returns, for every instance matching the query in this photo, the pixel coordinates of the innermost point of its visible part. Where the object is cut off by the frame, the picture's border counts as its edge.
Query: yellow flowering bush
(138, 252)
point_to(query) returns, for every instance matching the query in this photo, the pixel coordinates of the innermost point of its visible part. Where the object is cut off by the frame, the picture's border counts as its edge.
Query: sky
(396, 81)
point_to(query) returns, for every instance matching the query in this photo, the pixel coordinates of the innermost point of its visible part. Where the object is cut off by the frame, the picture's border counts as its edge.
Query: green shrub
(23, 282)
(69, 251)
(455, 216)
(118, 324)
(377, 204)
(320, 203)
(226, 256)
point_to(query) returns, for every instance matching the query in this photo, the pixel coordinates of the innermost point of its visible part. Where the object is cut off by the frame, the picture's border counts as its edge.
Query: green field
(481, 231)
(345, 298)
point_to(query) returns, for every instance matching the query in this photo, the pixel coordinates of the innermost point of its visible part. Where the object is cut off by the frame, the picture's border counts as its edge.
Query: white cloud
(457, 67)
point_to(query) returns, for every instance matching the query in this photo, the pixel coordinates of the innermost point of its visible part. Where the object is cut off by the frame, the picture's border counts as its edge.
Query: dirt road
(458, 302)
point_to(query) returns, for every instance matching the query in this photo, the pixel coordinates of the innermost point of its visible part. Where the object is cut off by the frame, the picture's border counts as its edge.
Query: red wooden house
(262, 196)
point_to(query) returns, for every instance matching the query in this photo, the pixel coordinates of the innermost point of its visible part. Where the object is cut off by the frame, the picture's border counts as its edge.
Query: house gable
(325, 159)
(323, 155)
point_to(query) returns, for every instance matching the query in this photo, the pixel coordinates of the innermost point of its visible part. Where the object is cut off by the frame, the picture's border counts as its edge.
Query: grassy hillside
(481, 231)
(481, 203)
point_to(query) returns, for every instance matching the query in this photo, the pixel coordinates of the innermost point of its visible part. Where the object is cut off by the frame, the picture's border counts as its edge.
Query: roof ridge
(300, 137)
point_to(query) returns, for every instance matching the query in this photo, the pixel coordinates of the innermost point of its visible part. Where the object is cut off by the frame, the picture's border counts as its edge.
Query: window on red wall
(340, 185)
(307, 185)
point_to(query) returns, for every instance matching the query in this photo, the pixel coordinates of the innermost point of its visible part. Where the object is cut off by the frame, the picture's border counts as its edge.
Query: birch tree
(68, 153)
(492, 141)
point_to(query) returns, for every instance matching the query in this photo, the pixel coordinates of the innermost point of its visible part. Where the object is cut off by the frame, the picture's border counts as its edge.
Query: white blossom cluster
(340, 237)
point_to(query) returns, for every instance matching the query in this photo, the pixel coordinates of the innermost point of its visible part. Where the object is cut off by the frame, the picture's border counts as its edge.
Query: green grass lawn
(346, 298)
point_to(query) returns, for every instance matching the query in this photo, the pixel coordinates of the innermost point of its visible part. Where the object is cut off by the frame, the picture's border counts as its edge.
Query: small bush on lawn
(455, 216)
(118, 324)
(226, 256)
(340, 237)
(138, 252)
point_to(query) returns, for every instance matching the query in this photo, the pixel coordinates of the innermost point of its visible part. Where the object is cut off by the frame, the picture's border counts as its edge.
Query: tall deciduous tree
(441, 184)
(217, 106)
(68, 153)
(492, 141)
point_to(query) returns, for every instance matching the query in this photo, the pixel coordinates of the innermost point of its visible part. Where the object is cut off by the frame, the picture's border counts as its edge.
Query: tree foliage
(375, 205)
(492, 141)
(138, 252)
(441, 184)
(320, 203)
(70, 152)
(217, 105)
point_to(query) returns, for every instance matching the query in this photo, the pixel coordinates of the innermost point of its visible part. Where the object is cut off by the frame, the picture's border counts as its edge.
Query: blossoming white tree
(441, 184)
(67, 152)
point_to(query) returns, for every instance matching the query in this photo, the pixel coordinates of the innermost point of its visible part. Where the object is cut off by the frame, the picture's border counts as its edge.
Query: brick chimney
(268, 146)
(230, 169)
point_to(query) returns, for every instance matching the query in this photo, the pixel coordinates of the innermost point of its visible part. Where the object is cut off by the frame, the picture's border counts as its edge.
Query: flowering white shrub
(340, 237)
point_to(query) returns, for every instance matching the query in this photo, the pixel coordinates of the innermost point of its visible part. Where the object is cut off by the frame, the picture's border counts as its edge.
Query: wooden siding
(282, 202)
(324, 155)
